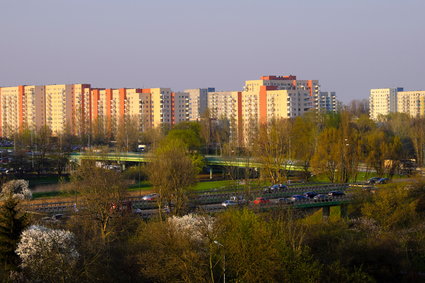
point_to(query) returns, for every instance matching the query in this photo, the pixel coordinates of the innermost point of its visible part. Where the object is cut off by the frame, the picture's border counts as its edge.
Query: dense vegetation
(382, 240)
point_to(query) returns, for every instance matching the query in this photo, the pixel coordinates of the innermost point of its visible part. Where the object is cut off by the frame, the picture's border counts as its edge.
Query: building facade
(412, 103)
(327, 102)
(383, 101)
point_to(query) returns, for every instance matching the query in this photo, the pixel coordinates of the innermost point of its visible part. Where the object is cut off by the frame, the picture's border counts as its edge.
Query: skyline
(349, 47)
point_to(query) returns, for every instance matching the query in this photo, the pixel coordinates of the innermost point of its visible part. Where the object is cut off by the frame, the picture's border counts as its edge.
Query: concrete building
(180, 107)
(11, 110)
(227, 105)
(198, 102)
(67, 108)
(411, 102)
(327, 102)
(383, 101)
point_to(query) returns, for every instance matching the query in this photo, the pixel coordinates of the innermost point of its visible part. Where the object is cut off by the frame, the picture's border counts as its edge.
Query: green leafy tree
(12, 222)
(326, 158)
(173, 172)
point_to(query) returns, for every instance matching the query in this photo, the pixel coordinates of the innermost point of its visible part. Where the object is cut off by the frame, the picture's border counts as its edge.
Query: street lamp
(224, 260)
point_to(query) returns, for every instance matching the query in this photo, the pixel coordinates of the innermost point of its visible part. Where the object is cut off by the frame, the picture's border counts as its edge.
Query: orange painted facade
(263, 104)
(95, 103)
(310, 86)
(173, 96)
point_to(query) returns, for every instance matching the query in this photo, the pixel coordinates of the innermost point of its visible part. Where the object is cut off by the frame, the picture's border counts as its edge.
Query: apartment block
(383, 101)
(180, 107)
(227, 105)
(411, 102)
(327, 102)
(198, 102)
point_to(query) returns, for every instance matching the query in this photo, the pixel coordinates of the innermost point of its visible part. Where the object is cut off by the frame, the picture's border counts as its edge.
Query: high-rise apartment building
(67, 108)
(326, 102)
(227, 105)
(198, 102)
(383, 101)
(411, 102)
(80, 109)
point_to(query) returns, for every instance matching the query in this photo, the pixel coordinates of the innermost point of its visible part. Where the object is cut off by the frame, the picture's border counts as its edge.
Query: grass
(316, 217)
(201, 186)
(39, 195)
(45, 180)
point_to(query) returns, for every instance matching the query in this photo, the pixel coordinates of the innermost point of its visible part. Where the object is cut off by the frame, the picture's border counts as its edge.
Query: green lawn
(50, 194)
(201, 186)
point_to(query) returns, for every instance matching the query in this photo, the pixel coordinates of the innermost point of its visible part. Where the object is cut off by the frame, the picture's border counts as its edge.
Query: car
(297, 198)
(275, 188)
(373, 180)
(260, 200)
(336, 194)
(228, 203)
(239, 199)
(150, 197)
(382, 181)
(320, 197)
(284, 201)
(310, 194)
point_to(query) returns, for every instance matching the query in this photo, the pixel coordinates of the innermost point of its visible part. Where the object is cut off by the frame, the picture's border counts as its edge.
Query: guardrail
(196, 200)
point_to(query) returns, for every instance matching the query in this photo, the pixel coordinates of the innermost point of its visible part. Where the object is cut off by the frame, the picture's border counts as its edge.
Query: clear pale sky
(350, 46)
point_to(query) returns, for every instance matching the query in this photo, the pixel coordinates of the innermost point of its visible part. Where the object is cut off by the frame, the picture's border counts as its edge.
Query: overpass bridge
(211, 160)
(210, 201)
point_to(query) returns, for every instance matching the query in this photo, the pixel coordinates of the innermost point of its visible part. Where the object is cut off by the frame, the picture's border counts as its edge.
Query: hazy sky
(350, 46)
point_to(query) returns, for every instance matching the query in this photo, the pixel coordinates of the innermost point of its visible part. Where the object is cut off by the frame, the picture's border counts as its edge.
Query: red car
(261, 200)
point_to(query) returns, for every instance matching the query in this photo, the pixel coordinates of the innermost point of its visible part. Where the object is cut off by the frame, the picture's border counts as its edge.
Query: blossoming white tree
(16, 188)
(195, 226)
(47, 254)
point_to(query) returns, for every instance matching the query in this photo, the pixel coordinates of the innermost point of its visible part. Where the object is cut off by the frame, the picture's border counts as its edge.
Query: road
(209, 201)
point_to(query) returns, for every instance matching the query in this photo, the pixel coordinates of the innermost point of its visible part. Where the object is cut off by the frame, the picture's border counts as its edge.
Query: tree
(102, 193)
(303, 139)
(168, 252)
(417, 134)
(43, 144)
(392, 207)
(173, 172)
(187, 133)
(17, 189)
(47, 255)
(128, 133)
(326, 158)
(206, 129)
(272, 149)
(12, 222)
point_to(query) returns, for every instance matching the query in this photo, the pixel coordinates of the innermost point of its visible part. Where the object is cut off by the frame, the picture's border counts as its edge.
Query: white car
(228, 203)
(150, 197)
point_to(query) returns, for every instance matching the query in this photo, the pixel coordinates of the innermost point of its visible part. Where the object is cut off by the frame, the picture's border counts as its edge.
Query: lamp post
(224, 260)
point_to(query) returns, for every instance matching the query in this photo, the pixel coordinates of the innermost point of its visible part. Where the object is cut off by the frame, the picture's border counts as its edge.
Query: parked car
(310, 194)
(382, 181)
(373, 180)
(320, 197)
(228, 203)
(336, 194)
(261, 200)
(150, 197)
